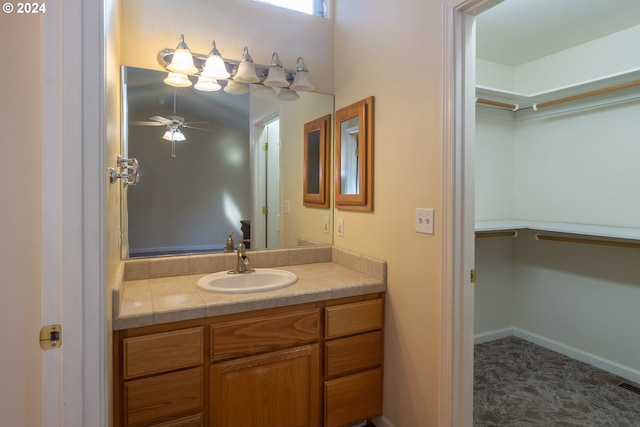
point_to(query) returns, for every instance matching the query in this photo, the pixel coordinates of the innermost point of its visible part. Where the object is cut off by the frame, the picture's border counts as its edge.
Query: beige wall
(20, 221)
(394, 53)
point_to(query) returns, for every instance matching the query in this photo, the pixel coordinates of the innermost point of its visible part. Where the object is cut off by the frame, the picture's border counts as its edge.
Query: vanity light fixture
(263, 91)
(301, 81)
(177, 80)
(214, 67)
(207, 85)
(276, 76)
(182, 61)
(236, 88)
(246, 69)
(287, 94)
(210, 68)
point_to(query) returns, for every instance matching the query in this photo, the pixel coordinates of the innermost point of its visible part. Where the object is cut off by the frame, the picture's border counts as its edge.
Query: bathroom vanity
(307, 355)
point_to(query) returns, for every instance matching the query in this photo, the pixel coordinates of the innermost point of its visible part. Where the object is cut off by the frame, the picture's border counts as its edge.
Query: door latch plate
(50, 337)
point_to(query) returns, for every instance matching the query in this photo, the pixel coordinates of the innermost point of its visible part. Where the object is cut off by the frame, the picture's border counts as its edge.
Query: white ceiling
(515, 32)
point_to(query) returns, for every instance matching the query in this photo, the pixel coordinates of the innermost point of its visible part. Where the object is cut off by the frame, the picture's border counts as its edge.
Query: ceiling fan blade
(146, 123)
(194, 123)
(194, 127)
(162, 120)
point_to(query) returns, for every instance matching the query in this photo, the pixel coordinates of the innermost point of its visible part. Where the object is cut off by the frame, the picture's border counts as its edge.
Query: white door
(51, 240)
(20, 225)
(272, 183)
(265, 230)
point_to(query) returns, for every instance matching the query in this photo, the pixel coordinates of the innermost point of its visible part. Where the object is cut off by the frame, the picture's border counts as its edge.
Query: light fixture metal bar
(165, 56)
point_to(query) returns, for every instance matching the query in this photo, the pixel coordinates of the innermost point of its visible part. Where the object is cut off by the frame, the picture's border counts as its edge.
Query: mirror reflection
(213, 164)
(354, 156)
(350, 182)
(317, 134)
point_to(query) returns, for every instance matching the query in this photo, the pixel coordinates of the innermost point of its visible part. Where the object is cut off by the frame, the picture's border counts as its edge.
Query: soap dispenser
(229, 247)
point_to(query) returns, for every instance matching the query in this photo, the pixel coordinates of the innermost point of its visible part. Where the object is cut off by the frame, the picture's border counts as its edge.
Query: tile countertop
(170, 299)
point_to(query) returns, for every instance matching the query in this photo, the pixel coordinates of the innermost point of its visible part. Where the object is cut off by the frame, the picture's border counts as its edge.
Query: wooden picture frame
(316, 163)
(353, 161)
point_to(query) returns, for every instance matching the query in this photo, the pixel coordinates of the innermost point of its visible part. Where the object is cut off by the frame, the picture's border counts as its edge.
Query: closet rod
(512, 107)
(511, 233)
(588, 241)
(620, 86)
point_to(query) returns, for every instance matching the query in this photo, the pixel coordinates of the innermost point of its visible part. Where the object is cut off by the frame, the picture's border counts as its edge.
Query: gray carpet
(518, 383)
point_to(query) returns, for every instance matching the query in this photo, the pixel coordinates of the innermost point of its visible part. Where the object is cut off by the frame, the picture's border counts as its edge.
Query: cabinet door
(275, 389)
(353, 398)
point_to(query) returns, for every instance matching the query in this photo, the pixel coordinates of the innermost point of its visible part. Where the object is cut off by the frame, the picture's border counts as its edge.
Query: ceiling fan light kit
(210, 68)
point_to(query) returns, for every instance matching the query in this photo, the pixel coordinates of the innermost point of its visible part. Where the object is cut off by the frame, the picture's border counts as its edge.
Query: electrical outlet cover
(424, 220)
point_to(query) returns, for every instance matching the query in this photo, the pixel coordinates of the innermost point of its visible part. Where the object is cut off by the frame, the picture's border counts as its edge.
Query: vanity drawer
(261, 334)
(353, 354)
(162, 352)
(155, 398)
(353, 398)
(357, 317)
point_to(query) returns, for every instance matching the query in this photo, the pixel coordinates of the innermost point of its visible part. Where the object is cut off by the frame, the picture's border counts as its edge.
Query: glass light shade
(207, 85)
(182, 61)
(177, 80)
(214, 67)
(246, 69)
(276, 76)
(301, 81)
(246, 73)
(262, 91)
(287, 95)
(174, 135)
(236, 88)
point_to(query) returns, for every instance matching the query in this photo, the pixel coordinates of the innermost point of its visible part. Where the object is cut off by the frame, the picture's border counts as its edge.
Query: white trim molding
(456, 393)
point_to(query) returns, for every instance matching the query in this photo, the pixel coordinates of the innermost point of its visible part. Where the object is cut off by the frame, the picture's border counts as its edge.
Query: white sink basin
(259, 280)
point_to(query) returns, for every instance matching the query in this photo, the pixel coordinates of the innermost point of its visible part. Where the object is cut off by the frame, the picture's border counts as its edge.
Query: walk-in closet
(557, 176)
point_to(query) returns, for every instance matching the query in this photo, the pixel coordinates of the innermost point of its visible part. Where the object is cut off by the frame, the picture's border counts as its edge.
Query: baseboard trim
(496, 334)
(583, 356)
(622, 371)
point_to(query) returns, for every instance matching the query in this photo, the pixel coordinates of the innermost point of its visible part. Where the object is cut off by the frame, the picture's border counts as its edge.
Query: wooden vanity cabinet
(160, 377)
(265, 370)
(305, 365)
(353, 354)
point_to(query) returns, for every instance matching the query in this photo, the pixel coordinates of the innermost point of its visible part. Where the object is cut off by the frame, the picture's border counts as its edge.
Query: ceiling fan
(173, 124)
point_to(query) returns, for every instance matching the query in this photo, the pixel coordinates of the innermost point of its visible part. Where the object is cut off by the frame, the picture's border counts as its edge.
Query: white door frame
(74, 379)
(456, 394)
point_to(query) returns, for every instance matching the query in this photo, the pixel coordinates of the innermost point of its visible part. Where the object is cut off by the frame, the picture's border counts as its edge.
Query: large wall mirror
(354, 156)
(238, 170)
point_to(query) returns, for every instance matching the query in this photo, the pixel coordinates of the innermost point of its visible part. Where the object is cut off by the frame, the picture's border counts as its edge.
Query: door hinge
(265, 210)
(473, 276)
(265, 146)
(50, 337)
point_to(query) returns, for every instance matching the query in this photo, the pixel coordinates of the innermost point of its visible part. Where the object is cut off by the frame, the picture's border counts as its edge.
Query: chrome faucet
(242, 259)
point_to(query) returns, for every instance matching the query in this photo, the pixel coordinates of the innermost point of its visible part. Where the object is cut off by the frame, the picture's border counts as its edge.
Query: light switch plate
(340, 223)
(424, 220)
(326, 226)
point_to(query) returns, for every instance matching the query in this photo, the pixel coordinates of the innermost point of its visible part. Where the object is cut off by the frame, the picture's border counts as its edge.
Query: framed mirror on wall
(353, 158)
(219, 179)
(316, 162)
